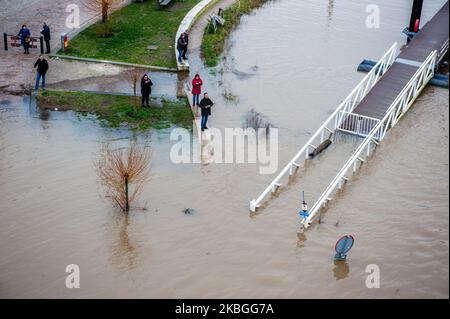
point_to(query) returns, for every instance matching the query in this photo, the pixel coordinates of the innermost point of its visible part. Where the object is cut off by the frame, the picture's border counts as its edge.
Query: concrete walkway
(16, 69)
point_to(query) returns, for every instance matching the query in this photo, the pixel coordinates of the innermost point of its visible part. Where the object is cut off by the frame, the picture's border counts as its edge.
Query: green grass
(117, 110)
(213, 43)
(135, 27)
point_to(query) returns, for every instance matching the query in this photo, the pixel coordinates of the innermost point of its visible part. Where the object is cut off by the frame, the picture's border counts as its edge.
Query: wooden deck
(433, 36)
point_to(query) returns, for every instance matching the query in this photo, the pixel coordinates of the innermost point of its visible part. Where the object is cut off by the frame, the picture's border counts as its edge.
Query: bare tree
(103, 8)
(256, 120)
(123, 173)
(133, 76)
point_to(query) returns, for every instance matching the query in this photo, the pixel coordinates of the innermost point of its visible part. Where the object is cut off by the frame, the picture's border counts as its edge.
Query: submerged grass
(117, 110)
(134, 28)
(214, 42)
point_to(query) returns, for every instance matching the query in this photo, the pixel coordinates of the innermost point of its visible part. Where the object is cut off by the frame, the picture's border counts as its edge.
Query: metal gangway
(345, 119)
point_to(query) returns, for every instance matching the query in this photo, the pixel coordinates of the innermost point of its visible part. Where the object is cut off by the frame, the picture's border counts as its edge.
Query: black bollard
(415, 15)
(5, 41)
(41, 41)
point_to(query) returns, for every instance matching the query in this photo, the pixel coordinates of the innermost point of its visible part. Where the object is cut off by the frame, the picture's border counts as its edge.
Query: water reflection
(341, 269)
(124, 254)
(330, 10)
(301, 239)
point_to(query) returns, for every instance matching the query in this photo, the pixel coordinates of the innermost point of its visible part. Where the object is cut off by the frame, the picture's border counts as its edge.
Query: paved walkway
(16, 69)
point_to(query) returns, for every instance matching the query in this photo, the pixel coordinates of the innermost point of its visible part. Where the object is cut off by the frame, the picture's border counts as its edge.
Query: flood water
(293, 61)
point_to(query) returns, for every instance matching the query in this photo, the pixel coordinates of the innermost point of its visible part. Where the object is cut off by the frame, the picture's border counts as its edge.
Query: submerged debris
(188, 211)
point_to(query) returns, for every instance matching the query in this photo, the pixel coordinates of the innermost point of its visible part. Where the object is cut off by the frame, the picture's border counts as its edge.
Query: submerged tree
(133, 76)
(103, 8)
(256, 120)
(123, 173)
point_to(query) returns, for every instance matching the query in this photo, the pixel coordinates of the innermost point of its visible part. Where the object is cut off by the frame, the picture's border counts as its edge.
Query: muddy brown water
(293, 61)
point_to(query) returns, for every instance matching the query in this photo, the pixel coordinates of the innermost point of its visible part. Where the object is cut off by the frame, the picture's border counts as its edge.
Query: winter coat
(46, 33)
(205, 105)
(181, 43)
(197, 86)
(42, 66)
(23, 33)
(146, 87)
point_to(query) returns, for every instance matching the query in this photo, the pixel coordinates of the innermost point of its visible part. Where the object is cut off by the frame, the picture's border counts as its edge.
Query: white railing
(399, 107)
(333, 122)
(357, 124)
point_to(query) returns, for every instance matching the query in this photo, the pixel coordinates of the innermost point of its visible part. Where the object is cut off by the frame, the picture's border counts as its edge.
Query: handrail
(398, 107)
(347, 105)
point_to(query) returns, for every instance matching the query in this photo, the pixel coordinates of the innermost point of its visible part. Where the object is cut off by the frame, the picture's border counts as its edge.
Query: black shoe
(206, 128)
(203, 129)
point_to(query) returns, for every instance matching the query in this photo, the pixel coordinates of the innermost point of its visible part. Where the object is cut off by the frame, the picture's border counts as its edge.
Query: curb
(150, 67)
(158, 96)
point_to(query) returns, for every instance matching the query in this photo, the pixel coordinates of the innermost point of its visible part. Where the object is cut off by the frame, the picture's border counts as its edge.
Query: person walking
(181, 43)
(185, 47)
(41, 66)
(197, 83)
(46, 33)
(146, 90)
(25, 38)
(205, 105)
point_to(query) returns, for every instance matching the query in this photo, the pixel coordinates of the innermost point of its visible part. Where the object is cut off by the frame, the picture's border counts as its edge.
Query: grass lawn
(213, 43)
(135, 27)
(116, 110)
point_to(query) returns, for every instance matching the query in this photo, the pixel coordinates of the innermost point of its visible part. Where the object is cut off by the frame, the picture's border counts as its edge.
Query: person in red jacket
(196, 89)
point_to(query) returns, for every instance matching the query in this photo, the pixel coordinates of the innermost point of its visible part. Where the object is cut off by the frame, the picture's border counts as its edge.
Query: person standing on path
(46, 33)
(146, 90)
(181, 43)
(185, 47)
(25, 38)
(41, 66)
(197, 83)
(205, 105)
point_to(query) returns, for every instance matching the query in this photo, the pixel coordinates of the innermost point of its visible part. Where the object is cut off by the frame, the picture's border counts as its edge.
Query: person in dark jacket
(205, 105)
(146, 89)
(41, 66)
(196, 89)
(25, 38)
(181, 44)
(185, 47)
(46, 33)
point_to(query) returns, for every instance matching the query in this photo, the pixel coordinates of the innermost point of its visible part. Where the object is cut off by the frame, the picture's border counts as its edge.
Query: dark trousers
(195, 99)
(184, 52)
(204, 121)
(47, 45)
(145, 98)
(26, 48)
(38, 79)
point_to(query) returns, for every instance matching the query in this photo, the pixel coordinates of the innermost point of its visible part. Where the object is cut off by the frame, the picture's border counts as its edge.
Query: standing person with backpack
(146, 90)
(25, 38)
(46, 33)
(185, 47)
(41, 67)
(197, 83)
(181, 44)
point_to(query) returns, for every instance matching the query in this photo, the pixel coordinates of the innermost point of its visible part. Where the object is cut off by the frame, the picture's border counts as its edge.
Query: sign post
(64, 41)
